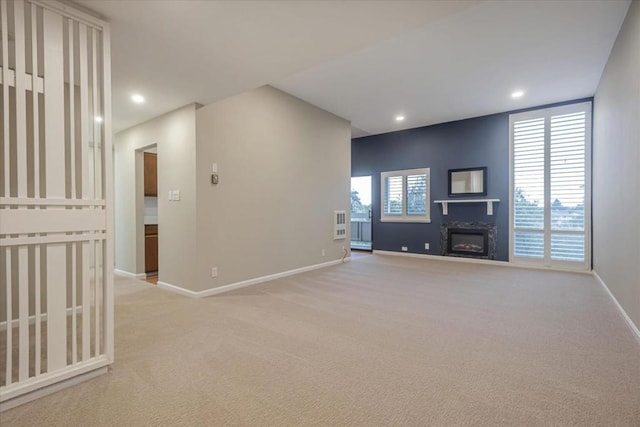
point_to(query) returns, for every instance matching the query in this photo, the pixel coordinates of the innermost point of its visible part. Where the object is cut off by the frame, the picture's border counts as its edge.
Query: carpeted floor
(377, 341)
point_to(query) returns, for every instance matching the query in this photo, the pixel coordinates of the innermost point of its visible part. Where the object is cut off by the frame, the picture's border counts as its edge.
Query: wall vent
(339, 225)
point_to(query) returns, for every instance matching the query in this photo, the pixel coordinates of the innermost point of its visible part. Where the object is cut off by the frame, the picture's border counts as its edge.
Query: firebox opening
(464, 241)
(469, 239)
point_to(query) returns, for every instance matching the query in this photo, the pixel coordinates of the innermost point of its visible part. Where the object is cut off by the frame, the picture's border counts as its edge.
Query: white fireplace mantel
(445, 204)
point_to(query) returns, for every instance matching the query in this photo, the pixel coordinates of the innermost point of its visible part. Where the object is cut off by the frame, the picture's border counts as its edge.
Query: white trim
(37, 387)
(32, 319)
(245, 283)
(23, 201)
(445, 203)
(478, 261)
(131, 275)
(405, 217)
(71, 11)
(587, 107)
(625, 316)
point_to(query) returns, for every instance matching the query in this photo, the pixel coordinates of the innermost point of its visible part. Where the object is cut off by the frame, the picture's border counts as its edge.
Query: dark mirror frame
(484, 181)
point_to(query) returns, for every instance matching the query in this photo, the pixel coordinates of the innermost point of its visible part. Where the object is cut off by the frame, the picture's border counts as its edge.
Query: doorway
(150, 213)
(361, 236)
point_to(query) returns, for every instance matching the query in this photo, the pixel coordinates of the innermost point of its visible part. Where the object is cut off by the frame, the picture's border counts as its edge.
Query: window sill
(416, 220)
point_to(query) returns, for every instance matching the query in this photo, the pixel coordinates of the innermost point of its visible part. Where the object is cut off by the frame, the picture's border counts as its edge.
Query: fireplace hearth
(469, 239)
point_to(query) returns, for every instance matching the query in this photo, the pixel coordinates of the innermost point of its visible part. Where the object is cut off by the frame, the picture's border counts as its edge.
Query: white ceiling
(366, 61)
(467, 65)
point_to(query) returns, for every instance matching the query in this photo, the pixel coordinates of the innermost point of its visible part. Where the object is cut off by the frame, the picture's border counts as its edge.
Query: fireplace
(469, 239)
(468, 242)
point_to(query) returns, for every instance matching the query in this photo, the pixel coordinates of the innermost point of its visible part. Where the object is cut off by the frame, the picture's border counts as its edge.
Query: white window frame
(546, 262)
(404, 217)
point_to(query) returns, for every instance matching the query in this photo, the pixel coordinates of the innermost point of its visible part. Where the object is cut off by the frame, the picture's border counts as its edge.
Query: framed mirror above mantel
(468, 182)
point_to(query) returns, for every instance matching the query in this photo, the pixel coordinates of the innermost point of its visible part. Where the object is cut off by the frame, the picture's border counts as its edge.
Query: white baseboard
(131, 275)
(478, 261)
(177, 289)
(442, 258)
(634, 328)
(38, 388)
(245, 283)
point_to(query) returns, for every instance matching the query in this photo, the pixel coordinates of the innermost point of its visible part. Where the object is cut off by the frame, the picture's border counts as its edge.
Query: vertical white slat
(23, 310)
(72, 147)
(55, 159)
(21, 151)
(38, 311)
(72, 126)
(86, 303)
(97, 293)
(97, 259)
(21, 98)
(36, 189)
(96, 134)
(9, 350)
(74, 306)
(108, 180)
(5, 97)
(84, 159)
(84, 108)
(23, 307)
(34, 94)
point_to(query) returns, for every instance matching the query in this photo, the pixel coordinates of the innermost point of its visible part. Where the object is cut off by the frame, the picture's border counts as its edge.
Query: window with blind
(405, 196)
(550, 197)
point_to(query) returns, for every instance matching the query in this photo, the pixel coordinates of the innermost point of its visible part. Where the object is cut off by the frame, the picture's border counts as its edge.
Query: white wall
(616, 169)
(174, 134)
(284, 167)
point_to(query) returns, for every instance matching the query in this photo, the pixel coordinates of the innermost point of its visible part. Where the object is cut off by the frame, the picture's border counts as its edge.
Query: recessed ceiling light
(399, 118)
(137, 98)
(99, 119)
(517, 94)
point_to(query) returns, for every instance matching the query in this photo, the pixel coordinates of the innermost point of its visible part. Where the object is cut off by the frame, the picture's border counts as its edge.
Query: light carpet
(380, 340)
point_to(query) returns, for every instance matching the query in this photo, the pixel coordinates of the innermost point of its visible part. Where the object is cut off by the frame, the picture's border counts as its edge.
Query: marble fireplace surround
(492, 231)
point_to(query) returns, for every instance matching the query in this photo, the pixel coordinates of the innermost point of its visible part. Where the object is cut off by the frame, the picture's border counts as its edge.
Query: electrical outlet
(214, 271)
(426, 246)
(405, 249)
(323, 252)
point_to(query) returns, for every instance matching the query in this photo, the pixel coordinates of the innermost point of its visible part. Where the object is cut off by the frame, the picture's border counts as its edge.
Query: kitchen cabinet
(150, 174)
(150, 248)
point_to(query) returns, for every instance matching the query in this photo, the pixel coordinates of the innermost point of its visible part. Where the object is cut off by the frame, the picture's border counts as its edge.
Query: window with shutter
(405, 196)
(550, 196)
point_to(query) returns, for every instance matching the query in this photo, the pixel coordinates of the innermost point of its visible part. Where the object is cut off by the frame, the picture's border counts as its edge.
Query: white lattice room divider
(56, 275)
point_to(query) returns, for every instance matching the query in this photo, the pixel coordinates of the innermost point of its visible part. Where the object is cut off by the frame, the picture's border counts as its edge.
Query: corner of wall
(174, 135)
(616, 156)
(284, 166)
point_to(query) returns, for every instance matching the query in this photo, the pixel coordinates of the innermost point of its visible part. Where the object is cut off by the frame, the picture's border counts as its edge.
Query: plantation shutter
(417, 194)
(528, 178)
(405, 195)
(393, 195)
(567, 176)
(549, 178)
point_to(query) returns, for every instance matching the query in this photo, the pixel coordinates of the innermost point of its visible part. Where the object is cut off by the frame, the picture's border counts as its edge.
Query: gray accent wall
(616, 169)
(482, 141)
(475, 142)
